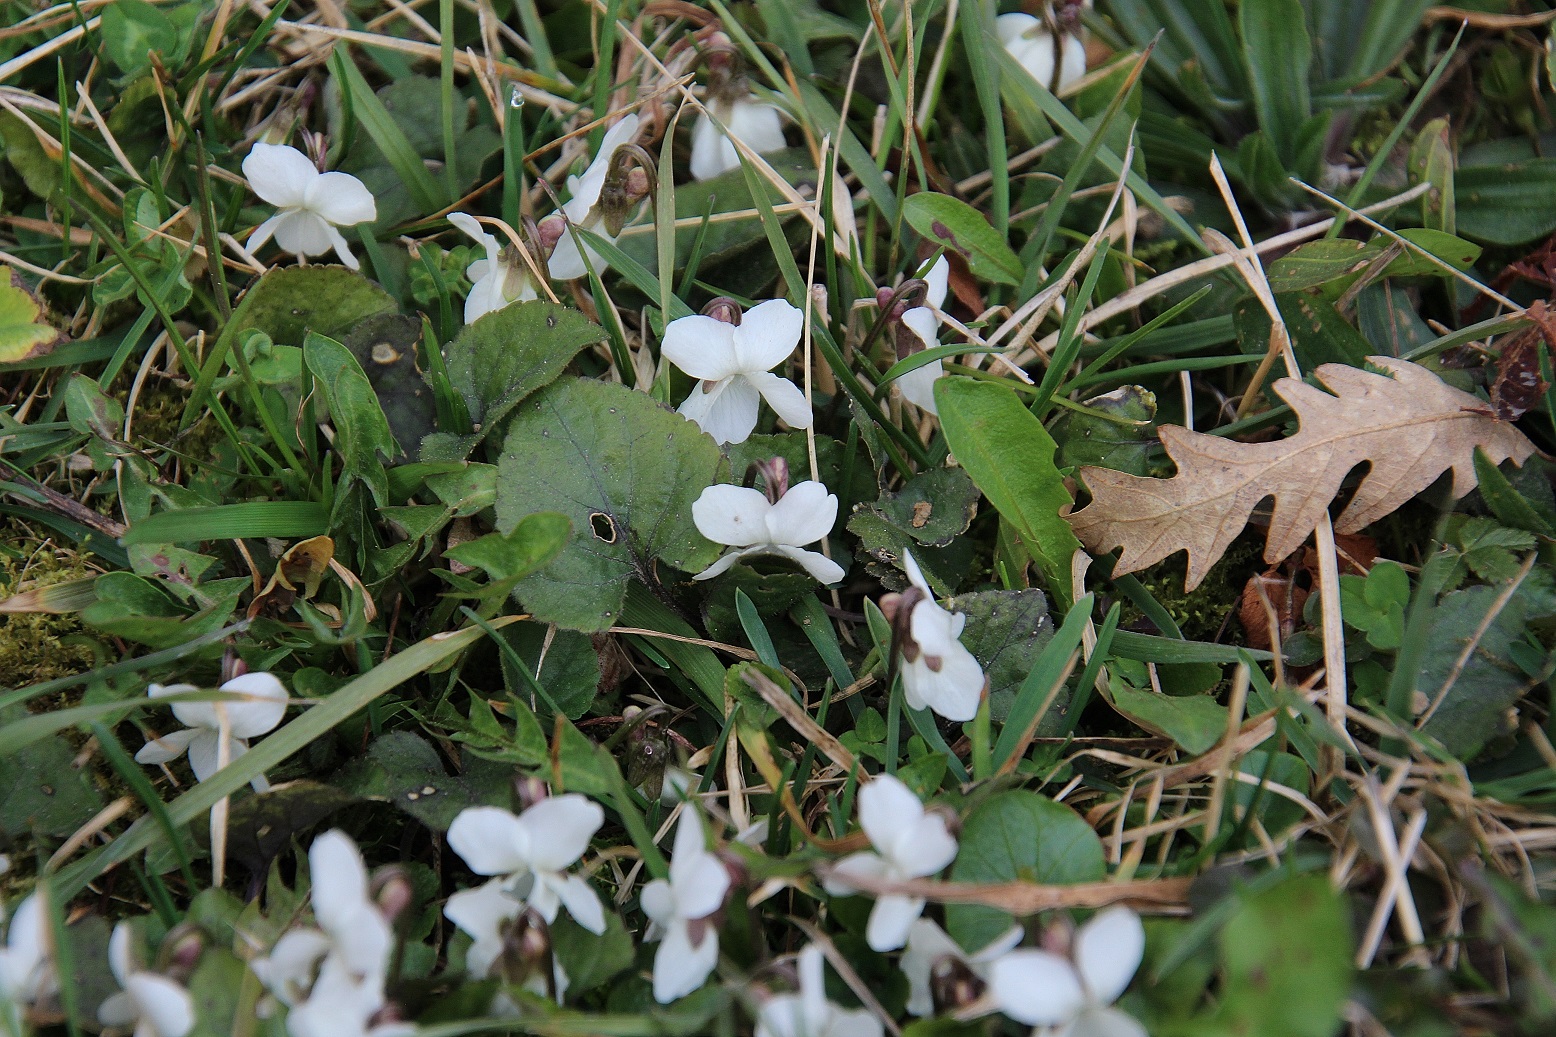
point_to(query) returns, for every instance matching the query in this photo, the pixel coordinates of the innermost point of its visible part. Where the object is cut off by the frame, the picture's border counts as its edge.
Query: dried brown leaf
(1410, 428)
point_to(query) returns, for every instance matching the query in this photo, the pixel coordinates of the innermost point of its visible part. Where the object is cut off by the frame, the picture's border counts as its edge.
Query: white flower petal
(701, 346)
(205, 753)
(560, 828)
(279, 174)
(712, 153)
(700, 888)
(915, 574)
(341, 199)
(163, 1004)
(266, 704)
(342, 248)
(723, 563)
(803, 515)
(690, 842)
(658, 902)
(785, 398)
(864, 865)
(918, 386)
(567, 262)
(289, 970)
(757, 124)
(889, 921)
(953, 692)
(767, 335)
(821, 568)
(887, 808)
(582, 902)
(118, 1010)
(927, 944)
(490, 840)
(262, 233)
(166, 747)
(1108, 949)
(303, 233)
(26, 972)
(338, 877)
(728, 413)
(119, 961)
(938, 280)
(921, 320)
(1036, 988)
(926, 849)
(482, 911)
(680, 966)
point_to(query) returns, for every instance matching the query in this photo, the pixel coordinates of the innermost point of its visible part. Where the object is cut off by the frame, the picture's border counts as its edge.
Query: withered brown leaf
(1410, 428)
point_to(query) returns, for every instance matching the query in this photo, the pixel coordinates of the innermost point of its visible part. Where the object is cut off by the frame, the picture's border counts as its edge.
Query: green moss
(1201, 614)
(33, 645)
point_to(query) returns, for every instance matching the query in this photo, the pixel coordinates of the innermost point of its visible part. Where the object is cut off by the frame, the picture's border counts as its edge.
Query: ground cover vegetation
(793, 517)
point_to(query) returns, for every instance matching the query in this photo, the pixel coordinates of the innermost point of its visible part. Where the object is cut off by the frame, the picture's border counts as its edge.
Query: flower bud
(393, 891)
(725, 310)
(953, 984)
(529, 790)
(526, 949)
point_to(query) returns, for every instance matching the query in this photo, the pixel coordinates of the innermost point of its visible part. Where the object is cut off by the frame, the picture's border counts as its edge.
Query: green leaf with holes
(625, 471)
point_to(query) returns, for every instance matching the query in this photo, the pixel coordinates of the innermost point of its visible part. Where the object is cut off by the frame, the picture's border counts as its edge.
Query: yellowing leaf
(24, 332)
(1410, 428)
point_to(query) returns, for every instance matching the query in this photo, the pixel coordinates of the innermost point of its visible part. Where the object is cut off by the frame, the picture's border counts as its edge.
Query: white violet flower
(918, 385)
(312, 203)
(529, 853)
(680, 910)
(733, 364)
(26, 966)
(808, 1013)
(937, 669)
(487, 914)
(1031, 43)
(496, 280)
(332, 976)
(152, 1004)
(203, 738)
(742, 518)
(755, 123)
(910, 843)
(1074, 995)
(580, 209)
(929, 946)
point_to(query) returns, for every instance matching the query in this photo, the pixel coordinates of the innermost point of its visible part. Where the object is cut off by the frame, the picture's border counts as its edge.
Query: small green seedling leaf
(1010, 457)
(957, 227)
(24, 333)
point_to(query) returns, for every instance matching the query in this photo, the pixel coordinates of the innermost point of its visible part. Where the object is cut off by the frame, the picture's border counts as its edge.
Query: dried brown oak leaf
(1410, 428)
